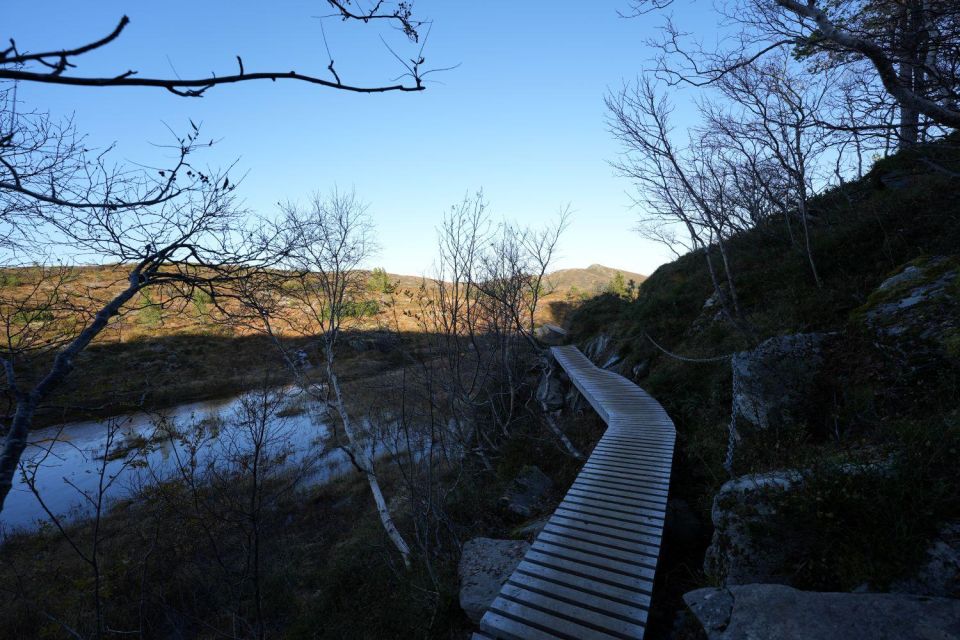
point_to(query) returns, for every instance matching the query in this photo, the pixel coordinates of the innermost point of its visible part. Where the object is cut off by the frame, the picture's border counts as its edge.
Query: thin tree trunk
(27, 402)
(366, 466)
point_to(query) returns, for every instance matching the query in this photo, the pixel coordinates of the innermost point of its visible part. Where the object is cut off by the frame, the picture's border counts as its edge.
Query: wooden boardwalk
(589, 574)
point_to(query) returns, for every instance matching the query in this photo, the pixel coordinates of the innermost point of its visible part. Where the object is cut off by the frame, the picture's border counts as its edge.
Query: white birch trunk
(366, 465)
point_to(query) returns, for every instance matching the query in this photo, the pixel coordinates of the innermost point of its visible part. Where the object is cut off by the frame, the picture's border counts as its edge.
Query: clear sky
(521, 117)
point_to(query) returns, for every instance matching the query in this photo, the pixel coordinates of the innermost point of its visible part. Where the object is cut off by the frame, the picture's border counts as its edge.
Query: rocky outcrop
(527, 492)
(940, 573)
(916, 311)
(771, 384)
(597, 348)
(550, 393)
(744, 548)
(776, 612)
(485, 564)
(550, 334)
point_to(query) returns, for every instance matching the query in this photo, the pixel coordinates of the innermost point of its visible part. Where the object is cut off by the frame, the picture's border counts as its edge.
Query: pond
(67, 458)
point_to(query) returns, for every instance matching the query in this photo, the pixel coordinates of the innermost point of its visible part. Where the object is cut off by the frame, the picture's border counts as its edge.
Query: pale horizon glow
(522, 116)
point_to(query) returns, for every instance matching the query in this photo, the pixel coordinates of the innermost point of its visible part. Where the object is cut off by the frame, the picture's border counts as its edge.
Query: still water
(68, 458)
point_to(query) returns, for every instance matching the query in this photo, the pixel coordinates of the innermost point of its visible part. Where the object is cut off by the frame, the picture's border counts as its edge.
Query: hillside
(171, 353)
(874, 398)
(591, 280)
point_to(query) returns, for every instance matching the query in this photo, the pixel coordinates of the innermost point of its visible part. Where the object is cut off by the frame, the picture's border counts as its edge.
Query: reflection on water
(76, 451)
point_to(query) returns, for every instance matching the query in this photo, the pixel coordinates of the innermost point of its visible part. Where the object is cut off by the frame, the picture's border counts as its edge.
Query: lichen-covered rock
(550, 393)
(597, 348)
(641, 369)
(550, 334)
(527, 492)
(743, 549)
(772, 385)
(777, 612)
(574, 400)
(485, 564)
(940, 573)
(916, 311)
(770, 382)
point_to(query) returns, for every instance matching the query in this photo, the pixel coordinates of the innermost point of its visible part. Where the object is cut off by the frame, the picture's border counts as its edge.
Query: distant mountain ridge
(589, 280)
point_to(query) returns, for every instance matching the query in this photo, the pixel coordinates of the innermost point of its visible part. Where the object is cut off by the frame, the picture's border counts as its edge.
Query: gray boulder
(940, 573)
(777, 612)
(550, 393)
(770, 382)
(527, 492)
(485, 564)
(574, 401)
(744, 548)
(550, 334)
(917, 310)
(640, 370)
(597, 348)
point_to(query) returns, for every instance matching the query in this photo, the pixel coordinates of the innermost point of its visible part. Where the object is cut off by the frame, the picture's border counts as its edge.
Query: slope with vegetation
(879, 399)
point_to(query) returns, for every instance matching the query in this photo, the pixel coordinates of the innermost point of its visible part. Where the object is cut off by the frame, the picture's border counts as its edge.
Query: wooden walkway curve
(589, 574)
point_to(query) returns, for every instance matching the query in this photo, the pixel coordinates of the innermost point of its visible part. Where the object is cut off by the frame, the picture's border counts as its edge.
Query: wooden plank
(607, 625)
(631, 466)
(639, 478)
(598, 575)
(629, 500)
(592, 537)
(623, 483)
(633, 613)
(654, 501)
(576, 581)
(639, 474)
(649, 515)
(500, 626)
(579, 545)
(592, 526)
(659, 450)
(548, 622)
(587, 557)
(610, 523)
(611, 518)
(652, 492)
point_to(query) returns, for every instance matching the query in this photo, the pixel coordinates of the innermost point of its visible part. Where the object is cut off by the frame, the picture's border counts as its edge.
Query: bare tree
(56, 66)
(688, 185)
(487, 290)
(173, 224)
(110, 464)
(179, 245)
(774, 122)
(911, 47)
(905, 50)
(324, 245)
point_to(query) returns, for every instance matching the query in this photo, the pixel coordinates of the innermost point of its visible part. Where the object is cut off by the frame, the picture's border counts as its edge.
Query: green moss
(930, 271)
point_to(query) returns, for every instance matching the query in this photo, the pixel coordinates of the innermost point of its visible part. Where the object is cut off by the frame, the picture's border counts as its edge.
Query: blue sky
(521, 117)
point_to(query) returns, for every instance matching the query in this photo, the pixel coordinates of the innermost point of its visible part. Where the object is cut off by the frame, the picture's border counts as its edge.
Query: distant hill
(590, 280)
(565, 288)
